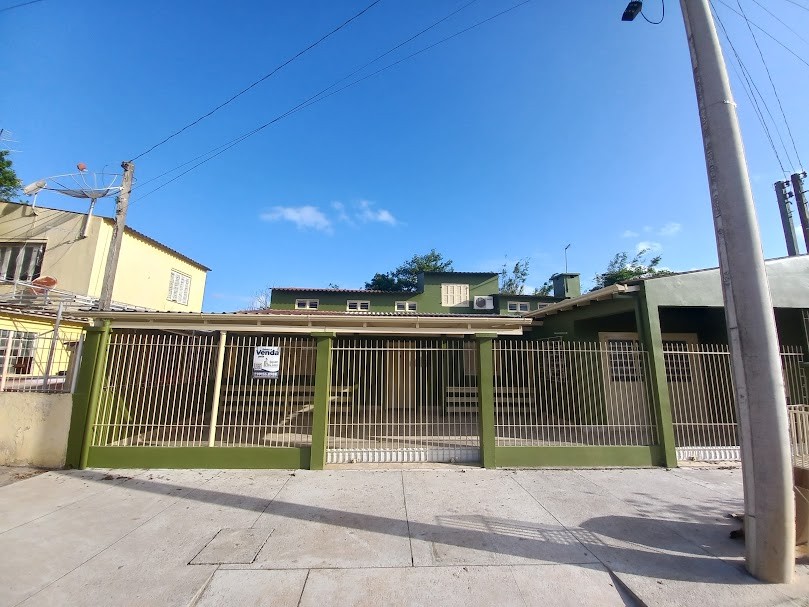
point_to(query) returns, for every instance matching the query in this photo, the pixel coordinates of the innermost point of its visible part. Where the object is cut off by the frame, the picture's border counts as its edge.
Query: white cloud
(367, 213)
(670, 229)
(650, 245)
(342, 215)
(629, 234)
(647, 229)
(305, 217)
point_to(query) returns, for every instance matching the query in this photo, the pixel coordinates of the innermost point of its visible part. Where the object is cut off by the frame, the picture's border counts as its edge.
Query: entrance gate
(403, 400)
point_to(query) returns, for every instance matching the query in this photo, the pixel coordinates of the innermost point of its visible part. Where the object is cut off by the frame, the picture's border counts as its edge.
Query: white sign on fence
(266, 362)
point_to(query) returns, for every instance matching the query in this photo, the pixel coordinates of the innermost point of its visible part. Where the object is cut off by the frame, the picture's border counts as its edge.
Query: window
(179, 287)
(306, 304)
(21, 261)
(22, 351)
(518, 306)
(454, 295)
(406, 306)
(354, 305)
(624, 363)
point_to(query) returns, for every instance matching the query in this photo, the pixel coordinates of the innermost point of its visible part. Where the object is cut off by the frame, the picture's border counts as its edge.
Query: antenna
(566, 248)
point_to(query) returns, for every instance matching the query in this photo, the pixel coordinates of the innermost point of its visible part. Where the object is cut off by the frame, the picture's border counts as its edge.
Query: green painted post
(86, 395)
(320, 419)
(486, 398)
(650, 335)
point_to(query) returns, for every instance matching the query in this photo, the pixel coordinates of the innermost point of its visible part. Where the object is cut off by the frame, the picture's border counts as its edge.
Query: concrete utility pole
(121, 206)
(800, 200)
(786, 217)
(761, 400)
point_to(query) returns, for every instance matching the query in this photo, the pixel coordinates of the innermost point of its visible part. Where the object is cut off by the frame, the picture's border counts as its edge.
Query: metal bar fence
(799, 434)
(255, 411)
(39, 362)
(156, 390)
(555, 393)
(700, 385)
(403, 400)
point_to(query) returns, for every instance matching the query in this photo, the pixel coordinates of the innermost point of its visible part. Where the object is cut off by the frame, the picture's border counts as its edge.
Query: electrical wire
(774, 88)
(259, 81)
(332, 85)
(663, 16)
(749, 88)
(798, 5)
(781, 21)
(317, 98)
(758, 27)
(8, 8)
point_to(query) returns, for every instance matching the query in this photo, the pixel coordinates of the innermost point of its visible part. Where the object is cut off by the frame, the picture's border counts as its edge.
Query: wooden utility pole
(121, 206)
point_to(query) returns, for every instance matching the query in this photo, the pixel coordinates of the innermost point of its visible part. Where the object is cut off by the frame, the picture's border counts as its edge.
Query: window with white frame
(406, 306)
(518, 306)
(20, 260)
(454, 295)
(307, 304)
(21, 353)
(356, 305)
(179, 287)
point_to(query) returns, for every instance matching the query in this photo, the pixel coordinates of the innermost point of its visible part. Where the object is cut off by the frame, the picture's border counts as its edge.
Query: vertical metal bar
(217, 387)
(6, 359)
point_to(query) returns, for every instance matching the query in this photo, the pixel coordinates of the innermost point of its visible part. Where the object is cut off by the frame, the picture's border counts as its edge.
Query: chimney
(566, 285)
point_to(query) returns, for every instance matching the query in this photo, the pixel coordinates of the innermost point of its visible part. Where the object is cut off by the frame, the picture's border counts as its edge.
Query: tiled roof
(275, 312)
(313, 289)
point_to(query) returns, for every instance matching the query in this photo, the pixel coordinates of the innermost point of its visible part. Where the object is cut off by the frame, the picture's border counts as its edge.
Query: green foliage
(405, 277)
(622, 268)
(513, 283)
(9, 182)
(545, 289)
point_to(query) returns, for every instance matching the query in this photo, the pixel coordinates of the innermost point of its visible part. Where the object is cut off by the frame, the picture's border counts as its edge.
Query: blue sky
(555, 123)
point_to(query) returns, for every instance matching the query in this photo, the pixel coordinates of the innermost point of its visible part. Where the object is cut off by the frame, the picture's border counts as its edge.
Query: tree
(545, 289)
(513, 283)
(406, 276)
(622, 268)
(261, 299)
(9, 182)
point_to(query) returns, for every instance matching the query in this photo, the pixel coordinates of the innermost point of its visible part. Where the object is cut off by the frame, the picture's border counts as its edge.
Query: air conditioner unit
(484, 302)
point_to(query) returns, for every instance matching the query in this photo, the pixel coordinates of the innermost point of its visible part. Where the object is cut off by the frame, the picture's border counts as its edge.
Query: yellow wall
(78, 263)
(143, 274)
(62, 355)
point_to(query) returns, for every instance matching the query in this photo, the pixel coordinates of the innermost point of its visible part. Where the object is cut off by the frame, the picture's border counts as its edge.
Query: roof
(128, 230)
(307, 322)
(277, 312)
(49, 315)
(582, 300)
(312, 289)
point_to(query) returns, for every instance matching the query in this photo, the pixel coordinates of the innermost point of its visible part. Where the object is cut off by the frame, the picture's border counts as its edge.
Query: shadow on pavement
(624, 544)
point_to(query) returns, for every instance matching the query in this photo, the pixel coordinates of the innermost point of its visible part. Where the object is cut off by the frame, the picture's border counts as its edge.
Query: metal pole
(217, 387)
(121, 206)
(759, 385)
(786, 217)
(52, 350)
(800, 200)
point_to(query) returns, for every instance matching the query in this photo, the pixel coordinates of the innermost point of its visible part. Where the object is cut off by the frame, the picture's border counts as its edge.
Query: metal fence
(555, 393)
(39, 362)
(799, 435)
(700, 385)
(403, 400)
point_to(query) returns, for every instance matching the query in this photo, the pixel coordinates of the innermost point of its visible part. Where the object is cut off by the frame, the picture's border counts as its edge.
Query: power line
(774, 88)
(317, 98)
(749, 89)
(777, 41)
(332, 85)
(663, 16)
(781, 21)
(798, 5)
(260, 80)
(8, 8)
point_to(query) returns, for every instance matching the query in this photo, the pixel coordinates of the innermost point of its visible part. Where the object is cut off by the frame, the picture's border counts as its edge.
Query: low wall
(33, 429)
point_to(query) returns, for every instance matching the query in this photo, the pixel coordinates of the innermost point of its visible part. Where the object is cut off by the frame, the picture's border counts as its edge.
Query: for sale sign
(266, 362)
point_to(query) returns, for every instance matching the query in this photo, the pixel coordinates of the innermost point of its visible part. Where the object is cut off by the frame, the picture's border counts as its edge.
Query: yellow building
(73, 247)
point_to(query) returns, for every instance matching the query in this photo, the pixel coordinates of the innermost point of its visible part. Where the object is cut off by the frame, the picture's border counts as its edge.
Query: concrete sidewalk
(444, 536)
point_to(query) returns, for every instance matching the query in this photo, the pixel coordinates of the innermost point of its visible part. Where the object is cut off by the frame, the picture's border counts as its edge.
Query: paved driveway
(444, 536)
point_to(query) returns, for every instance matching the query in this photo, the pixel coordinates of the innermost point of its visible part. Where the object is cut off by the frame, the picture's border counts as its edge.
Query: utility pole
(786, 216)
(761, 400)
(121, 206)
(800, 200)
